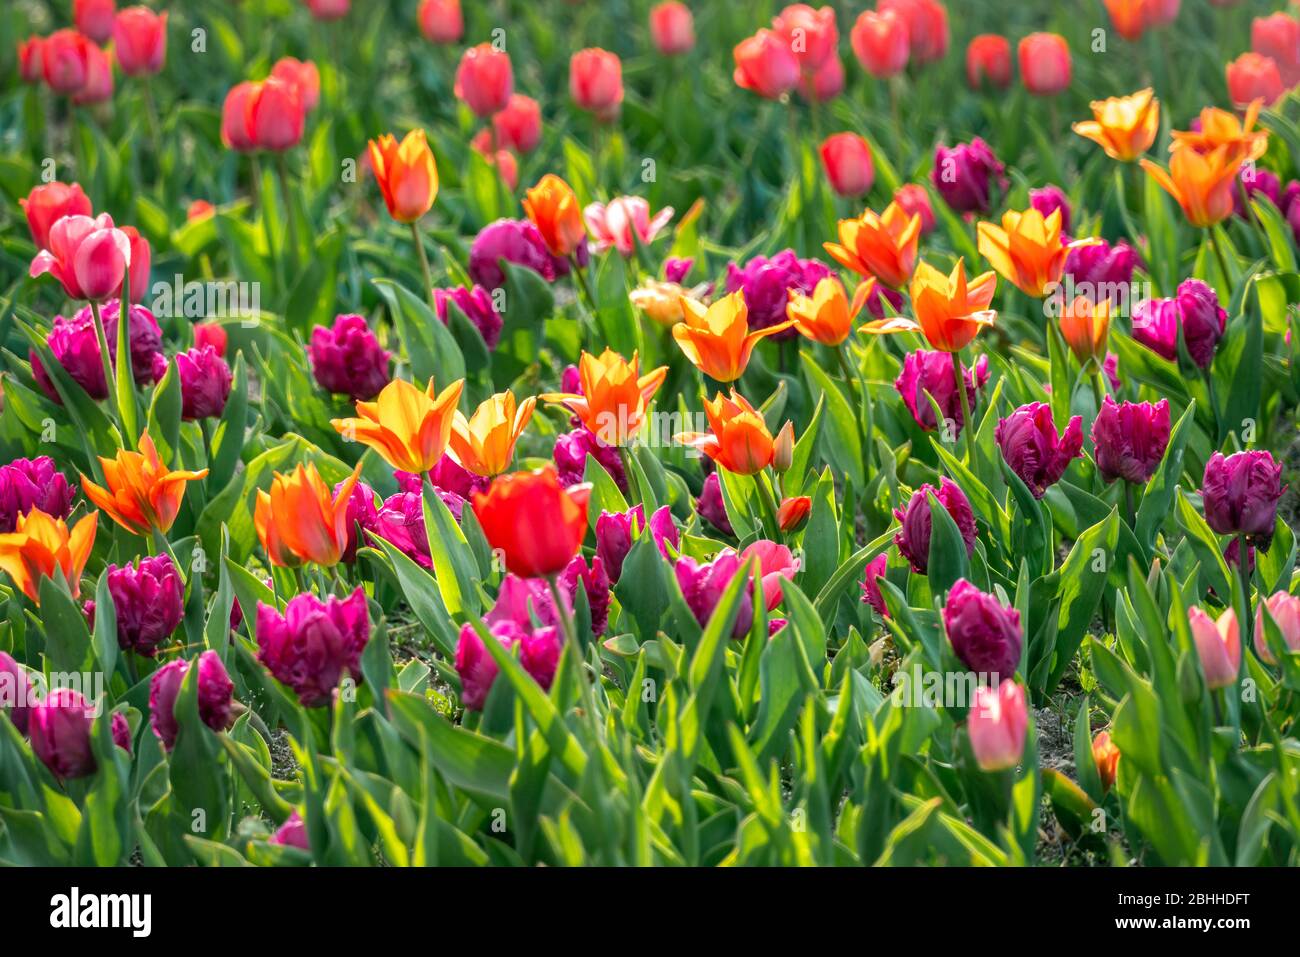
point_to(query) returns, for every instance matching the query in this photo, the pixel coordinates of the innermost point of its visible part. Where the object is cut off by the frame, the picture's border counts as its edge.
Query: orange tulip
(406, 174)
(409, 428)
(827, 315)
(142, 494)
(1129, 17)
(882, 246)
(1085, 326)
(1223, 128)
(534, 521)
(793, 512)
(41, 544)
(277, 552)
(1124, 126)
(1201, 182)
(716, 338)
(614, 395)
(949, 311)
(1027, 249)
(302, 517)
(485, 442)
(738, 439)
(554, 210)
(1106, 756)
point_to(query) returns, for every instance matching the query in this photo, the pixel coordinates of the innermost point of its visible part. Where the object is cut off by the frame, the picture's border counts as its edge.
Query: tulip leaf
(164, 421)
(1205, 544)
(1083, 578)
(431, 347)
(454, 567)
(948, 561)
(843, 441)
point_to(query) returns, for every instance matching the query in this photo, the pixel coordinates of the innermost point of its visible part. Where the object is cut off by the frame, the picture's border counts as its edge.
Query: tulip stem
(290, 218)
(110, 382)
(1218, 253)
(424, 267)
(861, 397)
(966, 424)
(1128, 504)
(1243, 575)
(769, 502)
(258, 192)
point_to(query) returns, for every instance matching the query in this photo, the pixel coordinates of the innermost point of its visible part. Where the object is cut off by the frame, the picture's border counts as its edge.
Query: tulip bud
(400, 522)
(964, 175)
(711, 506)
(477, 306)
(148, 601)
(1252, 76)
(1203, 320)
(441, 21)
(1047, 200)
(1278, 38)
(539, 654)
(329, 9)
(783, 448)
(485, 79)
(1218, 645)
(1129, 439)
(140, 40)
(32, 483)
(94, 18)
(276, 115)
(65, 62)
(47, 204)
(672, 28)
(913, 538)
(571, 451)
(517, 242)
(314, 644)
(931, 372)
(767, 284)
(292, 833)
(518, 126)
(1101, 271)
(301, 74)
(880, 42)
(704, 584)
(846, 158)
(793, 512)
(30, 60)
(1032, 448)
(211, 334)
(985, 634)
(765, 65)
(215, 694)
(812, 35)
(988, 60)
(871, 593)
(98, 87)
(596, 82)
(537, 524)
(1240, 493)
(205, 383)
(825, 84)
(997, 724)
(927, 27)
(236, 130)
(59, 728)
(15, 692)
(1285, 612)
(1106, 756)
(347, 359)
(1044, 63)
(76, 347)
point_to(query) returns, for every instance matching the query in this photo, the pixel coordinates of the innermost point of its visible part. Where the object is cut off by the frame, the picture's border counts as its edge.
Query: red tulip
(277, 115)
(1044, 63)
(596, 82)
(672, 28)
(915, 201)
(811, 35)
(211, 334)
(880, 42)
(98, 87)
(846, 157)
(441, 21)
(30, 59)
(927, 27)
(89, 256)
(329, 9)
(140, 40)
(46, 205)
(94, 18)
(533, 521)
(63, 60)
(1253, 76)
(519, 126)
(485, 79)
(199, 209)
(236, 132)
(303, 75)
(1278, 37)
(988, 60)
(141, 261)
(765, 65)
(826, 84)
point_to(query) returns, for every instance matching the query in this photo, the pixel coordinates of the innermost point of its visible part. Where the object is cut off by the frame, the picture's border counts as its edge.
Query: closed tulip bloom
(1253, 76)
(361, 515)
(148, 600)
(215, 696)
(915, 201)
(88, 256)
(927, 27)
(1218, 645)
(985, 634)
(45, 205)
(767, 283)
(30, 63)
(964, 176)
(347, 359)
(1124, 126)
(539, 654)
(535, 522)
(553, 208)
(236, 132)
(277, 115)
(16, 695)
(485, 442)
(1200, 182)
(518, 126)
(871, 593)
(596, 82)
(672, 28)
(304, 75)
(1101, 271)
(988, 61)
(913, 537)
(292, 833)
(949, 311)
(1085, 327)
(1048, 199)
(329, 9)
(1240, 493)
(1284, 609)
(793, 512)
(140, 40)
(703, 585)
(924, 371)
(624, 224)
(765, 65)
(1106, 757)
(1203, 320)
(94, 18)
(205, 383)
(314, 644)
(400, 522)
(138, 266)
(615, 532)
(1278, 38)
(478, 307)
(716, 338)
(441, 21)
(738, 439)
(75, 346)
(1155, 325)
(40, 545)
(410, 428)
(827, 315)
(211, 334)
(1128, 17)
(26, 484)
(879, 40)
(65, 61)
(1027, 249)
(570, 456)
(406, 174)
(846, 158)
(98, 87)
(1044, 63)
(826, 83)
(711, 505)
(1034, 450)
(140, 493)
(612, 397)
(997, 724)
(59, 727)
(812, 35)
(882, 246)
(485, 79)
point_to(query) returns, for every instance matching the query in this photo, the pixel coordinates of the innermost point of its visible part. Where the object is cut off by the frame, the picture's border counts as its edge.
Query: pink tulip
(1218, 644)
(88, 256)
(98, 87)
(441, 21)
(1285, 610)
(624, 223)
(94, 18)
(880, 43)
(672, 28)
(140, 40)
(846, 157)
(485, 79)
(63, 60)
(812, 35)
(329, 9)
(765, 65)
(596, 82)
(997, 724)
(1044, 63)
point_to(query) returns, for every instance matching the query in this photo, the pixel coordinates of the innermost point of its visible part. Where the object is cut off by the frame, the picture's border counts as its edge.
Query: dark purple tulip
(615, 532)
(964, 175)
(516, 241)
(477, 305)
(925, 371)
(539, 653)
(913, 538)
(400, 522)
(26, 484)
(711, 506)
(1129, 439)
(59, 728)
(361, 517)
(595, 582)
(314, 643)
(871, 594)
(703, 584)
(984, 633)
(881, 295)
(1155, 325)
(1232, 554)
(215, 691)
(1203, 319)
(1032, 447)
(205, 383)
(572, 449)
(1048, 199)
(76, 347)
(148, 599)
(676, 270)
(1254, 181)
(120, 729)
(766, 284)
(1101, 271)
(292, 833)
(1240, 493)
(347, 359)
(15, 692)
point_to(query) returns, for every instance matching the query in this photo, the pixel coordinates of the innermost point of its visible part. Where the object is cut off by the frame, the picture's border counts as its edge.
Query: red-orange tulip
(614, 395)
(554, 210)
(716, 338)
(882, 246)
(738, 439)
(406, 174)
(140, 493)
(533, 521)
(949, 312)
(301, 516)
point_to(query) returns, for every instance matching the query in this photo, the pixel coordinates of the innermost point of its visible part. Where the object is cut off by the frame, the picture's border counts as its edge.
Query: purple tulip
(1031, 446)
(120, 729)
(1101, 271)
(984, 633)
(205, 383)
(595, 582)
(361, 517)
(1252, 181)
(1129, 439)
(676, 270)
(76, 347)
(703, 584)
(711, 506)
(59, 728)
(1203, 320)
(913, 538)
(400, 522)
(516, 241)
(347, 359)
(26, 484)
(477, 306)
(1240, 493)
(1048, 199)
(1110, 366)
(964, 174)
(15, 692)
(1155, 325)
(572, 449)
(292, 833)
(571, 380)
(314, 643)
(766, 284)
(539, 653)
(871, 594)
(883, 294)
(215, 692)
(148, 600)
(925, 371)
(616, 530)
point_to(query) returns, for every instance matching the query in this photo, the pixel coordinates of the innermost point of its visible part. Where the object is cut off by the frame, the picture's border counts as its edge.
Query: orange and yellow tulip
(738, 439)
(554, 210)
(716, 338)
(882, 246)
(406, 174)
(1223, 128)
(408, 427)
(139, 492)
(1027, 249)
(1085, 326)
(661, 301)
(485, 442)
(1201, 182)
(302, 517)
(1124, 126)
(949, 311)
(41, 544)
(614, 395)
(827, 315)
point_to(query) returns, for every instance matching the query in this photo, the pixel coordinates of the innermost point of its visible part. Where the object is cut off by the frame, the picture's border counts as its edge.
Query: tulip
(931, 372)
(1106, 757)
(661, 301)
(595, 582)
(1201, 183)
(477, 305)
(985, 634)
(306, 519)
(536, 523)
(846, 158)
(616, 530)
(94, 18)
(539, 654)
(65, 56)
(236, 132)
(518, 242)
(596, 82)
(75, 345)
(485, 442)
(738, 439)
(347, 359)
(98, 87)
(711, 505)
(765, 65)
(872, 576)
(997, 724)
(211, 334)
(571, 451)
(215, 697)
(59, 727)
(1278, 38)
(913, 537)
(613, 397)
(519, 125)
(988, 61)
(148, 602)
(672, 28)
(139, 492)
(553, 209)
(45, 205)
(703, 585)
(441, 21)
(915, 201)
(882, 246)
(1128, 17)
(1049, 199)
(1085, 327)
(329, 9)
(1027, 250)
(1255, 182)
(138, 266)
(716, 338)
(827, 315)
(1283, 608)
(1218, 645)
(1155, 325)
(879, 40)
(964, 175)
(824, 84)
(1102, 272)
(408, 428)
(1032, 447)
(793, 512)
(927, 27)
(624, 224)
(811, 35)
(783, 449)
(1253, 76)
(88, 256)
(1044, 63)
(1203, 320)
(302, 74)
(1240, 493)
(26, 484)
(400, 522)
(1216, 128)
(314, 643)
(767, 284)
(16, 695)
(205, 383)
(292, 833)
(485, 79)
(41, 545)
(140, 40)
(30, 59)
(776, 564)
(406, 174)
(1124, 126)
(276, 115)
(949, 312)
